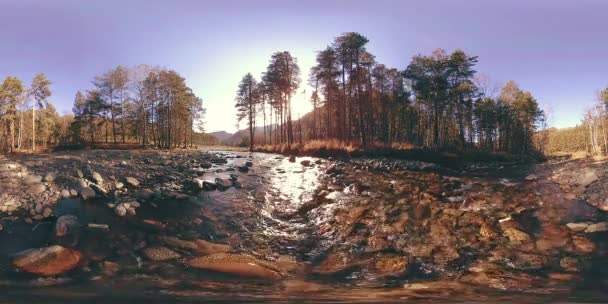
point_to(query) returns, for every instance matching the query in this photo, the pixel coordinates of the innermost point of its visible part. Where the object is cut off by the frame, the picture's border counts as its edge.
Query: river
(341, 232)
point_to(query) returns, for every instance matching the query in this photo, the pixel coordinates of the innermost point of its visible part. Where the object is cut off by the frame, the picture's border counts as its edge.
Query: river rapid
(302, 229)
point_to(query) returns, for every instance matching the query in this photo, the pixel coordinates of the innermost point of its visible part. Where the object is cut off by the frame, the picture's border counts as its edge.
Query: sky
(556, 49)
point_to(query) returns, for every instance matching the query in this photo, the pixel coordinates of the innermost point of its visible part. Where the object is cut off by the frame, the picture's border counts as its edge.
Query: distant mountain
(221, 135)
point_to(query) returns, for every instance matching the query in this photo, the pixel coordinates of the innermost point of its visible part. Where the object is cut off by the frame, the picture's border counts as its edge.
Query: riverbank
(342, 151)
(217, 224)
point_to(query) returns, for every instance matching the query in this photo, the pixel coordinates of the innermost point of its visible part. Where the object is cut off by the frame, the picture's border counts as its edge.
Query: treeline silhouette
(142, 105)
(437, 102)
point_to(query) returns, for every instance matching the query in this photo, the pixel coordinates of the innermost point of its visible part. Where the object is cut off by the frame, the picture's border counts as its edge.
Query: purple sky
(556, 49)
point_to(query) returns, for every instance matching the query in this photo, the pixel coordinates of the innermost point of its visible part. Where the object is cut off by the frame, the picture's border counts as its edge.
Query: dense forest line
(143, 104)
(591, 136)
(437, 101)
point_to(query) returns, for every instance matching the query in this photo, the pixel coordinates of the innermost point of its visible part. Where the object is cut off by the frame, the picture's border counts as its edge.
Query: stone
(47, 261)
(120, 210)
(292, 159)
(305, 163)
(49, 177)
(205, 165)
(587, 177)
(206, 248)
(119, 185)
(87, 193)
(159, 253)
(32, 180)
(79, 173)
(577, 227)
(515, 235)
(36, 189)
(531, 177)
(144, 194)
(391, 265)
(176, 243)
(336, 262)
(109, 268)
(131, 181)
(47, 212)
(569, 264)
(249, 163)
(222, 184)
(244, 169)
(597, 227)
(67, 230)
(97, 178)
(242, 265)
(65, 193)
(583, 245)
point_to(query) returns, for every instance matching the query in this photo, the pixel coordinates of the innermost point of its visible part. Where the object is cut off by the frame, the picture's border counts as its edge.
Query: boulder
(515, 235)
(159, 253)
(242, 265)
(222, 184)
(131, 181)
(36, 189)
(97, 178)
(32, 179)
(87, 193)
(49, 177)
(206, 248)
(597, 227)
(48, 261)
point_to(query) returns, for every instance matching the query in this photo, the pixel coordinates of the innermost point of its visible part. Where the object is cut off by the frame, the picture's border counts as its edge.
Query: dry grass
(342, 150)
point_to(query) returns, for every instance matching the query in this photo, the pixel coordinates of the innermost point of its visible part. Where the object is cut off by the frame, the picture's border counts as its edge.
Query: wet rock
(248, 163)
(47, 212)
(206, 248)
(205, 165)
(79, 173)
(237, 264)
(292, 159)
(131, 181)
(222, 184)
(531, 177)
(120, 210)
(390, 265)
(208, 186)
(87, 193)
(159, 253)
(48, 261)
(516, 236)
(597, 227)
(144, 194)
(67, 230)
(176, 243)
(581, 211)
(553, 237)
(109, 268)
(334, 169)
(244, 169)
(305, 163)
(336, 262)
(583, 245)
(65, 193)
(569, 264)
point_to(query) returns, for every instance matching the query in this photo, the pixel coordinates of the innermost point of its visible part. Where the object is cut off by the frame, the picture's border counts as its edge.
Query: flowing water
(260, 216)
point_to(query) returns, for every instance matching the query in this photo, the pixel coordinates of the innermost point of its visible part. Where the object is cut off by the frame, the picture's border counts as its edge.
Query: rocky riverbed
(219, 225)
